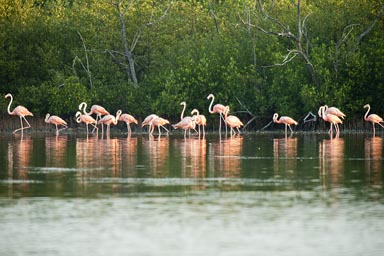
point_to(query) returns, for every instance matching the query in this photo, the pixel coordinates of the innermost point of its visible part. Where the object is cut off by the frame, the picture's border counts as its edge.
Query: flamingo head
(195, 111)
(275, 116)
(82, 104)
(367, 106)
(210, 96)
(8, 95)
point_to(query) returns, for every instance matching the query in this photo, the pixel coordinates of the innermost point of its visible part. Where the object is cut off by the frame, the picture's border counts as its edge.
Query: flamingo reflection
(192, 156)
(228, 160)
(285, 152)
(158, 152)
(129, 156)
(331, 157)
(19, 158)
(373, 148)
(55, 150)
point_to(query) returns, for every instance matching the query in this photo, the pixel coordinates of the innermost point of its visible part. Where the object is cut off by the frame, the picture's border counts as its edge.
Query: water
(255, 194)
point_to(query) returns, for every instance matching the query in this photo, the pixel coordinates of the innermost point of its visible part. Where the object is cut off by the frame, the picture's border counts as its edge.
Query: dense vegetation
(147, 56)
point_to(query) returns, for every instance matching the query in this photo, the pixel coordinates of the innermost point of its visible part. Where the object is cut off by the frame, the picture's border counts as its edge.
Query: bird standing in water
(286, 120)
(55, 120)
(20, 111)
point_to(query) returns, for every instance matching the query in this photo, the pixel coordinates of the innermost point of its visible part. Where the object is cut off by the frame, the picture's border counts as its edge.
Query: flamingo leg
(290, 129)
(21, 124)
(221, 116)
(373, 128)
(129, 129)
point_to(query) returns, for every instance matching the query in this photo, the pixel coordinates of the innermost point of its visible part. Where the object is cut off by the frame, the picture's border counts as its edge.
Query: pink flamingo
(373, 118)
(95, 109)
(87, 119)
(55, 120)
(108, 120)
(332, 119)
(20, 111)
(286, 120)
(232, 121)
(148, 121)
(200, 120)
(128, 119)
(331, 110)
(159, 122)
(186, 124)
(218, 108)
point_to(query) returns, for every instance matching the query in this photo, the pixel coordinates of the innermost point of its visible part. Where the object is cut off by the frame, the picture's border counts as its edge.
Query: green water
(254, 194)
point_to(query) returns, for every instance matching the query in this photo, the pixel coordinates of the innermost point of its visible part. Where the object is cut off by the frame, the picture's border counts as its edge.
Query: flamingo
(56, 121)
(87, 119)
(148, 121)
(332, 110)
(332, 119)
(218, 108)
(20, 111)
(232, 121)
(95, 109)
(200, 120)
(159, 122)
(128, 119)
(108, 120)
(373, 118)
(186, 124)
(286, 120)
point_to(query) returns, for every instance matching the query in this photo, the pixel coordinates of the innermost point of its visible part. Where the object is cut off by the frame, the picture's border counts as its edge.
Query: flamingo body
(232, 121)
(19, 111)
(55, 120)
(87, 119)
(373, 118)
(200, 120)
(187, 123)
(128, 119)
(286, 120)
(217, 108)
(109, 119)
(159, 122)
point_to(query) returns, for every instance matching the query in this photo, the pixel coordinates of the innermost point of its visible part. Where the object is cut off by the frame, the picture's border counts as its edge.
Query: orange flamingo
(148, 121)
(286, 120)
(232, 121)
(128, 119)
(200, 120)
(20, 111)
(87, 119)
(373, 118)
(218, 108)
(55, 120)
(108, 120)
(332, 119)
(159, 122)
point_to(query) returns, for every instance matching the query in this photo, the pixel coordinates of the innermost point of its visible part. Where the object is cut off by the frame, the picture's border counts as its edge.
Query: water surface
(254, 194)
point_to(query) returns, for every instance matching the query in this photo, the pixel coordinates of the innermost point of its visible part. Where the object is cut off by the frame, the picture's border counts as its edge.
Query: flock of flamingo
(331, 115)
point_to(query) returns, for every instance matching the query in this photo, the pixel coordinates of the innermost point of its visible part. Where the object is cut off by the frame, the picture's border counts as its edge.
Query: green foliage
(55, 54)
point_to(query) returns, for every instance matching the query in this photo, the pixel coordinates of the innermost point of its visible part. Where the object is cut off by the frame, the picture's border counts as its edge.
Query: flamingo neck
(85, 108)
(182, 112)
(210, 105)
(78, 115)
(9, 105)
(366, 114)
